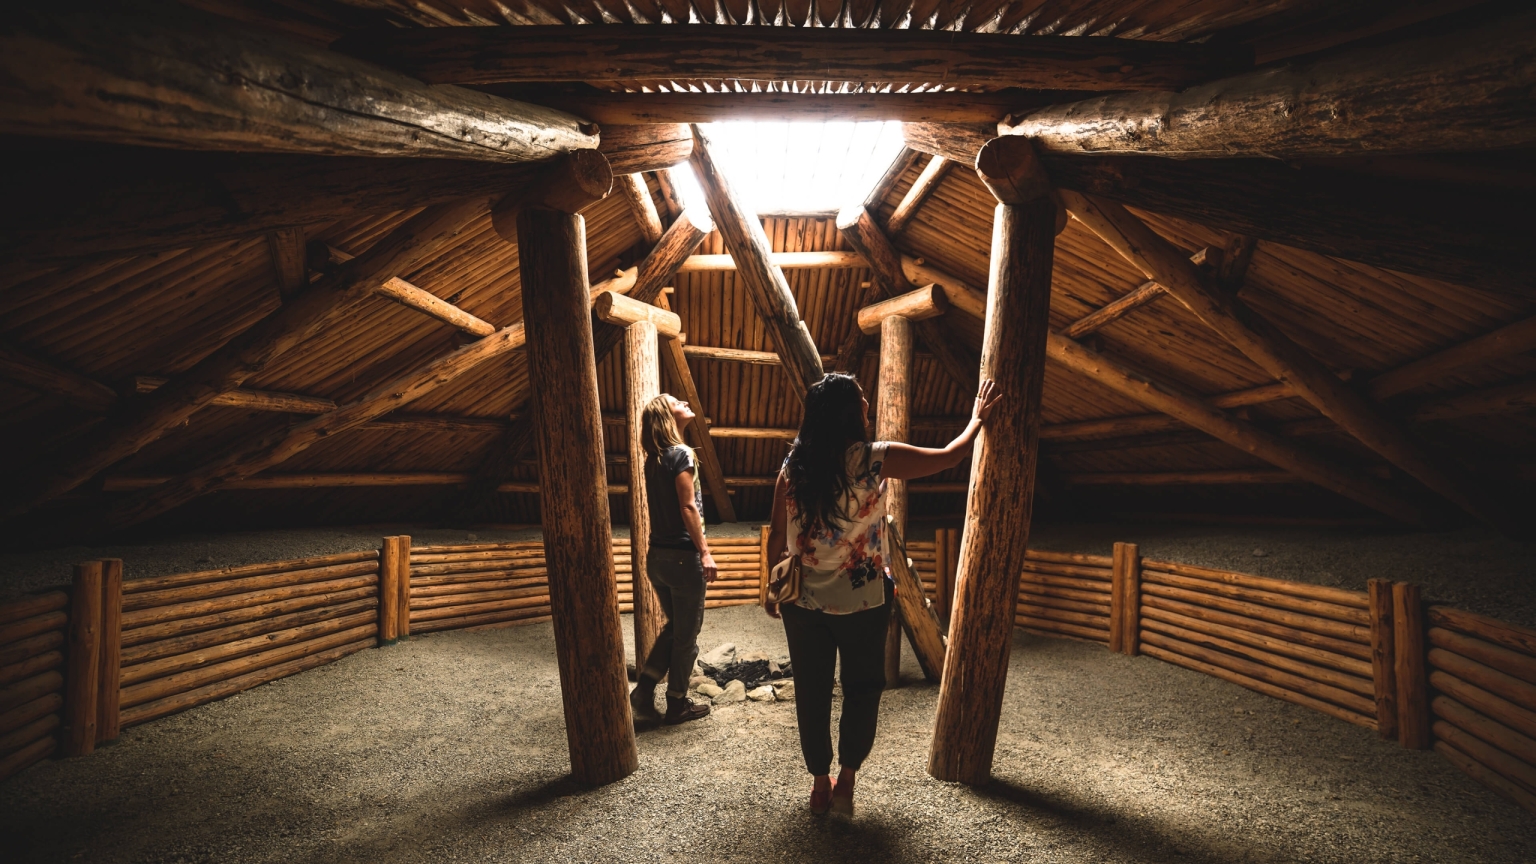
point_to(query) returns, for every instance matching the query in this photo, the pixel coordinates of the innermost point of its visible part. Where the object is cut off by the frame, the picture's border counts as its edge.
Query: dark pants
(678, 577)
(815, 641)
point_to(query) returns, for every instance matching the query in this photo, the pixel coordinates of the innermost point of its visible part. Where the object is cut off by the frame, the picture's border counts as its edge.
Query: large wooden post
(108, 692)
(389, 606)
(999, 505)
(893, 422)
(642, 383)
(1383, 657)
(1409, 666)
(578, 543)
(83, 661)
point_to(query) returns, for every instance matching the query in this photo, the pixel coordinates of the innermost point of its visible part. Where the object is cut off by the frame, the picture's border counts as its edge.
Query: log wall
(192, 638)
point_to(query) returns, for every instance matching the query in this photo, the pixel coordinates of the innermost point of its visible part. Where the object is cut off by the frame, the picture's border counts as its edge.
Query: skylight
(778, 167)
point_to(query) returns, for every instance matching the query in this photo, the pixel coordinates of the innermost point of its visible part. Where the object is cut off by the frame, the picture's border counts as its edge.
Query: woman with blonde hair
(678, 564)
(828, 508)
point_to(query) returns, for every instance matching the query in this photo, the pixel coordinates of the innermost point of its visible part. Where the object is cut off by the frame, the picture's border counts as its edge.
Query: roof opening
(786, 167)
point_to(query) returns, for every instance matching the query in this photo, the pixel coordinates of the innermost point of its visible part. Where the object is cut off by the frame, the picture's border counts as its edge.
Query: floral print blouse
(843, 569)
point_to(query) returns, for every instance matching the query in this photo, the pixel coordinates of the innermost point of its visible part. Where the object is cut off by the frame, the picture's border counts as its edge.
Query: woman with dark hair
(828, 502)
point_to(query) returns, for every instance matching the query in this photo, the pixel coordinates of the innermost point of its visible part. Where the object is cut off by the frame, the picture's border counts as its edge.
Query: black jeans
(815, 641)
(678, 577)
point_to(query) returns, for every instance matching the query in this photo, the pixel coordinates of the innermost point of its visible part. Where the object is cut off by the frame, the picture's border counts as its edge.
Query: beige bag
(784, 581)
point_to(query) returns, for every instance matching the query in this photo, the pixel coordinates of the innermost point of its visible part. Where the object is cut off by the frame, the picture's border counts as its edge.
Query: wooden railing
(78, 665)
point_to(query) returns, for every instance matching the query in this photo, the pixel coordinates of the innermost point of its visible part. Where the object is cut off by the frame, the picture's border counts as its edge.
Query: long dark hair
(817, 467)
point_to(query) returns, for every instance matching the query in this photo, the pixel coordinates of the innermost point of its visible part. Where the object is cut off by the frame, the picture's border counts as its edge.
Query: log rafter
(1279, 355)
(489, 55)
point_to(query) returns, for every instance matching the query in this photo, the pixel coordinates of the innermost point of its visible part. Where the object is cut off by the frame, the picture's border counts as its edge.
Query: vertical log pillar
(998, 508)
(763, 566)
(642, 383)
(941, 575)
(893, 422)
(951, 568)
(1410, 658)
(83, 663)
(403, 588)
(1383, 657)
(109, 678)
(578, 541)
(389, 592)
(1125, 623)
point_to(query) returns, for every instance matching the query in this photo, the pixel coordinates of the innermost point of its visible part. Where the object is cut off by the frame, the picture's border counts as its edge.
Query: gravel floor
(451, 747)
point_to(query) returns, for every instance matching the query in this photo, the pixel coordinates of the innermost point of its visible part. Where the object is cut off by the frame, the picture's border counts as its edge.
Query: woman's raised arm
(906, 462)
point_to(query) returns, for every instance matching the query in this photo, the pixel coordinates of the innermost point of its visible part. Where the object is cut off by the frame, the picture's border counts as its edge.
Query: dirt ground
(451, 747)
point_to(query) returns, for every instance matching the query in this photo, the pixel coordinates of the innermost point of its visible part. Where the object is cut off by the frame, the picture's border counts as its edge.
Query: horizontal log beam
(1468, 89)
(739, 355)
(621, 311)
(488, 55)
(1181, 478)
(920, 305)
(782, 260)
(929, 107)
(171, 77)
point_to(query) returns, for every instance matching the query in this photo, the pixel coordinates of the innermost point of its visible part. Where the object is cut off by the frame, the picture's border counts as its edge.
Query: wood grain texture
(109, 666)
(927, 181)
(674, 107)
(1410, 666)
(638, 196)
(1383, 656)
(188, 81)
(913, 306)
(1279, 355)
(145, 420)
(764, 282)
(485, 55)
(83, 658)
(1467, 88)
(68, 386)
(568, 429)
(1001, 499)
(642, 383)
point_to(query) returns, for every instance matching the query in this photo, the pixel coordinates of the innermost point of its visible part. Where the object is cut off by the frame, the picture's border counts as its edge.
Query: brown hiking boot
(680, 709)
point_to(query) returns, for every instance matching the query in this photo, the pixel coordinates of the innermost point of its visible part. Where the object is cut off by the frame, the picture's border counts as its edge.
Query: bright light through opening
(785, 167)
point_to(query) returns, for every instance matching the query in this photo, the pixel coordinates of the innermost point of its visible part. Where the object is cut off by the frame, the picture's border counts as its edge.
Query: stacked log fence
(78, 665)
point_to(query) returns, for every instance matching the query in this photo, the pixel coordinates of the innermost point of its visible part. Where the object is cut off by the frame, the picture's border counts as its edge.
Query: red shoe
(820, 800)
(842, 800)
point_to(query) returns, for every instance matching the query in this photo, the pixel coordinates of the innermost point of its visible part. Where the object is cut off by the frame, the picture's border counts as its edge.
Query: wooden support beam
(893, 174)
(1512, 398)
(1279, 355)
(1246, 476)
(642, 283)
(961, 296)
(421, 300)
(860, 232)
(1507, 341)
(50, 379)
(1001, 499)
(929, 180)
(1410, 666)
(638, 196)
(645, 147)
(764, 282)
(1202, 415)
(893, 422)
(832, 260)
(1138, 297)
(146, 420)
(913, 306)
(191, 81)
(572, 183)
(110, 665)
(957, 142)
(1467, 87)
(642, 383)
(286, 249)
(83, 661)
(676, 362)
(754, 432)
(264, 453)
(621, 311)
(578, 539)
(685, 107)
(488, 55)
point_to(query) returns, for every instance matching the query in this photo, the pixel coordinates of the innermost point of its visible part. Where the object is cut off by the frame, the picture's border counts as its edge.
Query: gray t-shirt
(667, 529)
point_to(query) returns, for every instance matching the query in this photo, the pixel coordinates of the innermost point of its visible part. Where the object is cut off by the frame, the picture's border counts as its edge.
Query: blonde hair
(658, 428)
